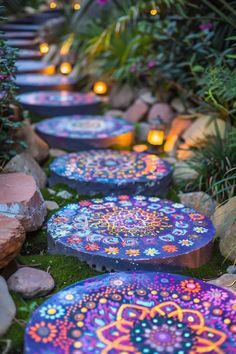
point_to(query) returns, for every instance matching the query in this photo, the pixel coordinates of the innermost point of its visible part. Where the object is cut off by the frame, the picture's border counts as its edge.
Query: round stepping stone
(131, 233)
(135, 313)
(19, 35)
(19, 27)
(20, 43)
(53, 103)
(29, 54)
(31, 66)
(75, 133)
(108, 171)
(32, 82)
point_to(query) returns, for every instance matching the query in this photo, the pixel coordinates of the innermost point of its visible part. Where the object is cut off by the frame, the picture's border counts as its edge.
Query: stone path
(123, 312)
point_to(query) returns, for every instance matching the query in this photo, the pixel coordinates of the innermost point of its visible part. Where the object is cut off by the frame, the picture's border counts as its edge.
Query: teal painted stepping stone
(56, 103)
(74, 133)
(34, 82)
(143, 312)
(126, 233)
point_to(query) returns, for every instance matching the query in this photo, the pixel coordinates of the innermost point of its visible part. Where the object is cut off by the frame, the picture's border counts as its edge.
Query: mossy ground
(68, 270)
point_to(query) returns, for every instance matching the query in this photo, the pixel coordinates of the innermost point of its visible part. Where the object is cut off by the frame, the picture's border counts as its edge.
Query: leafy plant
(215, 165)
(219, 90)
(8, 126)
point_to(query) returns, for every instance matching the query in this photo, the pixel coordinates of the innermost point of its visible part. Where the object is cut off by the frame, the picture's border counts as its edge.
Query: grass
(68, 270)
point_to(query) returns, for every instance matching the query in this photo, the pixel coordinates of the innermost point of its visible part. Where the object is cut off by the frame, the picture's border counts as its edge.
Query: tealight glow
(44, 48)
(65, 68)
(100, 88)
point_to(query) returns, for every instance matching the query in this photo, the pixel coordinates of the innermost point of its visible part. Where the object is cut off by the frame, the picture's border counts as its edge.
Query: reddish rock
(136, 111)
(30, 282)
(24, 162)
(12, 236)
(163, 110)
(20, 198)
(37, 147)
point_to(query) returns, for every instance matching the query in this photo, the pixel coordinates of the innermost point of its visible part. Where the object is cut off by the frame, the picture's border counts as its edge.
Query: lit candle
(140, 148)
(100, 88)
(65, 68)
(76, 6)
(153, 12)
(44, 48)
(53, 5)
(156, 133)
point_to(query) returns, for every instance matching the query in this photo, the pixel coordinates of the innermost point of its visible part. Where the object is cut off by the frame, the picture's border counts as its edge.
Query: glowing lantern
(53, 5)
(100, 88)
(65, 68)
(140, 148)
(153, 12)
(44, 48)
(156, 133)
(76, 6)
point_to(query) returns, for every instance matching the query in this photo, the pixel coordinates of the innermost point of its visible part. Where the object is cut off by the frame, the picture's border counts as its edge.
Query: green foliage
(8, 126)
(219, 90)
(215, 164)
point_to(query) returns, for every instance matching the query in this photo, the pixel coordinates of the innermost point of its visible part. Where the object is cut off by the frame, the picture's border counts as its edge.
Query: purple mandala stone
(19, 35)
(35, 82)
(19, 27)
(30, 54)
(59, 103)
(124, 233)
(21, 43)
(74, 133)
(109, 171)
(33, 66)
(135, 313)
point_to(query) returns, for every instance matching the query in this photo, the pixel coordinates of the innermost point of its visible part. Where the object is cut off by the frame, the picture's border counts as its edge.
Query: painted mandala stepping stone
(19, 35)
(21, 43)
(19, 27)
(53, 103)
(31, 66)
(135, 313)
(108, 171)
(75, 133)
(124, 233)
(33, 82)
(31, 54)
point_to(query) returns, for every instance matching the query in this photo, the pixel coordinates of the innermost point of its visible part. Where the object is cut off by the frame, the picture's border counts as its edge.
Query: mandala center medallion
(132, 223)
(162, 335)
(88, 125)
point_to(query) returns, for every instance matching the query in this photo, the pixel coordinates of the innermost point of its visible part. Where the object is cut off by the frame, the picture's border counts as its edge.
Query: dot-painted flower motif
(85, 203)
(52, 311)
(200, 230)
(190, 285)
(215, 296)
(43, 332)
(169, 248)
(92, 247)
(151, 252)
(112, 250)
(186, 243)
(133, 252)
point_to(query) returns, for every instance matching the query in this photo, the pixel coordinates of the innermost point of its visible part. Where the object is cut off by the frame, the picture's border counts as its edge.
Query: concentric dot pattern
(131, 228)
(111, 166)
(84, 127)
(135, 313)
(60, 98)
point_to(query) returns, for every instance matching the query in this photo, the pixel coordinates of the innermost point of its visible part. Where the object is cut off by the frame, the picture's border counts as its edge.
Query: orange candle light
(44, 48)
(65, 68)
(156, 133)
(100, 88)
(53, 5)
(76, 6)
(153, 12)
(140, 148)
